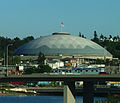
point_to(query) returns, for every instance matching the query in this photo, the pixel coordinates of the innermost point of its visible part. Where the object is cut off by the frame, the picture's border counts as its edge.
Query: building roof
(61, 43)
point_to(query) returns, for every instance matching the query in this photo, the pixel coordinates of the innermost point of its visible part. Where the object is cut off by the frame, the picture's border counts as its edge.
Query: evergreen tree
(110, 36)
(44, 68)
(101, 37)
(83, 36)
(95, 35)
(95, 39)
(41, 58)
(80, 35)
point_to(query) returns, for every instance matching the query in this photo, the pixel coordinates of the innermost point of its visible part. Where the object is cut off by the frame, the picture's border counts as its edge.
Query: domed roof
(61, 43)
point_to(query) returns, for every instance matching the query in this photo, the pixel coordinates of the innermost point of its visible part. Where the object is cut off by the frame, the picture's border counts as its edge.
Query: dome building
(62, 45)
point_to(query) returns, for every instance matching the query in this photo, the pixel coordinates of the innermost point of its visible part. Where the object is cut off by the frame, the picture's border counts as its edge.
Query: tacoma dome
(65, 45)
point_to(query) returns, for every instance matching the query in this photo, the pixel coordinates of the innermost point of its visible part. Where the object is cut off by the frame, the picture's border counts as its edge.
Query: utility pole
(7, 59)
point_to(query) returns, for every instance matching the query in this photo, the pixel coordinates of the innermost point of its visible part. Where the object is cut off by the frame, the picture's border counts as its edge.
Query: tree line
(111, 44)
(16, 42)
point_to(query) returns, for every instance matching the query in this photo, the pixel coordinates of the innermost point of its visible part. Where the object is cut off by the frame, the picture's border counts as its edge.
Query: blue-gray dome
(61, 43)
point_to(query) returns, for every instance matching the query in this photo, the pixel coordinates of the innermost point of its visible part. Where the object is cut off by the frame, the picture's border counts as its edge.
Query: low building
(56, 64)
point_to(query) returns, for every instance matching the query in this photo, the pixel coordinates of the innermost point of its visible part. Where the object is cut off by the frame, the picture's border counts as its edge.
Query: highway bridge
(54, 77)
(69, 80)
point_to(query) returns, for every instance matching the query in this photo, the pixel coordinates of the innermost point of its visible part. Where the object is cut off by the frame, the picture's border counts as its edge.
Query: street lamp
(7, 59)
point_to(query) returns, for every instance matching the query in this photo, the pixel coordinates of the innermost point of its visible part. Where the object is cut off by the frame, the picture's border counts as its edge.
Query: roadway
(53, 77)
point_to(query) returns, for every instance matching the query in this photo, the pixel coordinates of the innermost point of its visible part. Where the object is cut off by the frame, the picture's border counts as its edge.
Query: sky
(22, 18)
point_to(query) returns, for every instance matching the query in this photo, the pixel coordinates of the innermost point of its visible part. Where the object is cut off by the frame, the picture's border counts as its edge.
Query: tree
(83, 36)
(16, 60)
(80, 34)
(99, 61)
(41, 58)
(30, 70)
(42, 67)
(95, 39)
(101, 37)
(110, 36)
(95, 35)
(29, 38)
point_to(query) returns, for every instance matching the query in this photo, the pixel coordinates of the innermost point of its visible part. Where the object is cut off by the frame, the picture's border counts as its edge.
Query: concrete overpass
(64, 77)
(68, 80)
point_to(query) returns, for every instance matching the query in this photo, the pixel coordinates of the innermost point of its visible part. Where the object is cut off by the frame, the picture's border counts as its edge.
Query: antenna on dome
(62, 26)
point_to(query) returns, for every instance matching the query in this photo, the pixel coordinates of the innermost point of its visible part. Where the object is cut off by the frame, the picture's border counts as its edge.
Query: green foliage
(112, 99)
(99, 61)
(95, 39)
(108, 62)
(16, 60)
(41, 58)
(53, 83)
(112, 63)
(112, 46)
(17, 42)
(39, 69)
(29, 70)
(44, 68)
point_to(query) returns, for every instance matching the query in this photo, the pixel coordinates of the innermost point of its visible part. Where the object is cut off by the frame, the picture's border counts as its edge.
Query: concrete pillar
(71, 85)
(68, 96)
(88, 90)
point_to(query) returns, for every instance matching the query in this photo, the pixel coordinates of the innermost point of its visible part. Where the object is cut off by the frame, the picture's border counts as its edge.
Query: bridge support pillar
(88, 92)
(69, 91)
(68, 96)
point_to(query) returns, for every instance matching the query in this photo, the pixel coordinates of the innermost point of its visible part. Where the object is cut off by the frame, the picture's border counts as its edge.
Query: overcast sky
(22, 18)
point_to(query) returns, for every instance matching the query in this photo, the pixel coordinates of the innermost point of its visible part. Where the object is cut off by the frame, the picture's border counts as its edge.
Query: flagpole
(61, 28)
(62, 25)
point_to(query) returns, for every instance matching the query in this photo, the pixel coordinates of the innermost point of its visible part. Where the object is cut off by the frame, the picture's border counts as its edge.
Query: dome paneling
(61, 43)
